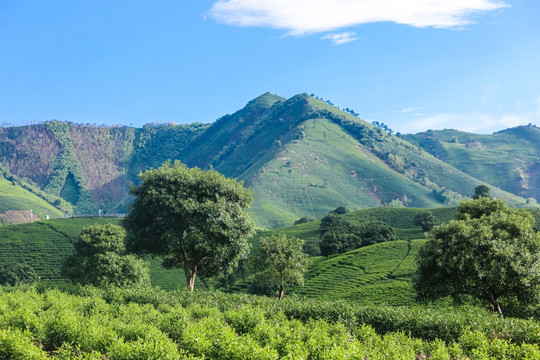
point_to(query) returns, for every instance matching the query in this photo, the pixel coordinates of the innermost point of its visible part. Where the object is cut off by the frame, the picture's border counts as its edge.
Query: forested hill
(301, 156)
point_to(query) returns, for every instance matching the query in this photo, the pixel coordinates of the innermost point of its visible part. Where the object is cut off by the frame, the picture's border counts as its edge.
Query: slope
(303, 157)
(508, 159)
(16, 204)
(44, 244)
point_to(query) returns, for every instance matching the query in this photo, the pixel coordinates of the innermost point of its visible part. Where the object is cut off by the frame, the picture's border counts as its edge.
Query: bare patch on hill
(18, 217)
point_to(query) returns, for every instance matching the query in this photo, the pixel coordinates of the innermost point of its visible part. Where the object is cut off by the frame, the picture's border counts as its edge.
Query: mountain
(304, 157)
(300, 156)
(509, 159)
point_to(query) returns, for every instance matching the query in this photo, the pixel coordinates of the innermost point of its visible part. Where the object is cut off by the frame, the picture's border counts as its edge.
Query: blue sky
(415, 65)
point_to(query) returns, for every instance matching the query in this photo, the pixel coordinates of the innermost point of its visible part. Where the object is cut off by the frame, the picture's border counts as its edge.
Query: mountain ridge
(301, 156)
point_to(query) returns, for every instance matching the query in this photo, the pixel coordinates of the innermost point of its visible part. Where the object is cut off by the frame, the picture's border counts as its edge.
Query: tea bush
(74, 322)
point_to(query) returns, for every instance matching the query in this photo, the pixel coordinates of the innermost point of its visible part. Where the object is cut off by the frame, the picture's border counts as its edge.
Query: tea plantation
(125, 323)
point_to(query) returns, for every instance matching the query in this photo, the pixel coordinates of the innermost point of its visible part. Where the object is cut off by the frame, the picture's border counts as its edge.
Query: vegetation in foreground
(145, 323)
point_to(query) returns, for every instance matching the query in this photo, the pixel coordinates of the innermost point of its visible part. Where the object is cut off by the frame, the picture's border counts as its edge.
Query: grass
(323, 171)
(13, 197)
(377, 274)
(44, 244)
(507, 159)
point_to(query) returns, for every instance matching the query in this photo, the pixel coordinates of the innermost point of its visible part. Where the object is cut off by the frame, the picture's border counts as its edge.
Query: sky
(471, 65)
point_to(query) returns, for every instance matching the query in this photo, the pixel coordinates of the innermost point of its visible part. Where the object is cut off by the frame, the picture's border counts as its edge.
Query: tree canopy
(489, 251)
(339, 236)
(195, 219)
(100, 258)
(481, 191)
(280, 261)
(426, 220)
(16, 273)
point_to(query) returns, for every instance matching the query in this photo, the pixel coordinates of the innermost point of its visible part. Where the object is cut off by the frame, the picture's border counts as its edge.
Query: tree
(195, 219)
(340, 210)
(16, 273)
(426, 220)
(376, 232)
(303, 220)
(100, 258)
(338, 240)
(481, 191)
(279, 261)
(489, 251)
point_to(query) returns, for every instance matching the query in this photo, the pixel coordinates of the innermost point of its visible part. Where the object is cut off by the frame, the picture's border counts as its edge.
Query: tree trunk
(496, 307)
(191, 282)
(190, 276)
(281, 290)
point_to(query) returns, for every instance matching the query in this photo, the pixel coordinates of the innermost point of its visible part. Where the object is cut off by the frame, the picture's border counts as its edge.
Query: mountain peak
(265, 100)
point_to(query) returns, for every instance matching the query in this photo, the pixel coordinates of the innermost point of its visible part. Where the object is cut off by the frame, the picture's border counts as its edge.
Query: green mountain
(508, 159)
(300, 156)
(303, 157)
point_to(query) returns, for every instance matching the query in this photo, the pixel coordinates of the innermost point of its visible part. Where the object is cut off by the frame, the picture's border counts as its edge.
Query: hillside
(508, 159)
(17, 204)
(300, 156)
(44, 244)
(303, 157)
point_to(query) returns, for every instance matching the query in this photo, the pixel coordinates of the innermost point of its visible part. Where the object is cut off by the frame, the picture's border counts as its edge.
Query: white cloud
(411, 109)
(299, 17)
(342, 38)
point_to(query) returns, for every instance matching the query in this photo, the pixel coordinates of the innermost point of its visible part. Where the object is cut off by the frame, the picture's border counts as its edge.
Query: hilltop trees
(280, 261)
(195, 219)
(339, 236)
(100, 258)
(489, 251)
(481, 191)
(426, 220)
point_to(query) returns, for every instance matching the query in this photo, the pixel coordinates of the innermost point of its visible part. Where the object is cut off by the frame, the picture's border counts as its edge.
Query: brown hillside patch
(18, 216)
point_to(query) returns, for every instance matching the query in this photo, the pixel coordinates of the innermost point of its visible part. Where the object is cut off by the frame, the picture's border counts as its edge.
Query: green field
(40, 322)
(13, 197)
(377, 274)
(44, 244)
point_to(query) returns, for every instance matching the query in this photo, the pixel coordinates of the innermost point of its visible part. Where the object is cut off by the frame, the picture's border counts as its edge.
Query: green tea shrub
(214, 325)
(19, 345)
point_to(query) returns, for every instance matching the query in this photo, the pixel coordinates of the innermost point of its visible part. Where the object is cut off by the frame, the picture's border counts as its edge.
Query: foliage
(16, 194)
(481, 191)
(340, 210)
(67, 167)
(16, 273)
(339, 236)
(280, 260)
(195, 219)
(303, 220)
(489, 251)
(146, 323)
(45, 244)
(426, 220)
(338, 239)
(100, 258)
(505, 160)
(376, 232)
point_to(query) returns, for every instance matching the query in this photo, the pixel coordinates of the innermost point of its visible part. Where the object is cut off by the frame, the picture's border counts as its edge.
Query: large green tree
(195, 219)
(100, 258)
(280, 261)
(489, 251)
